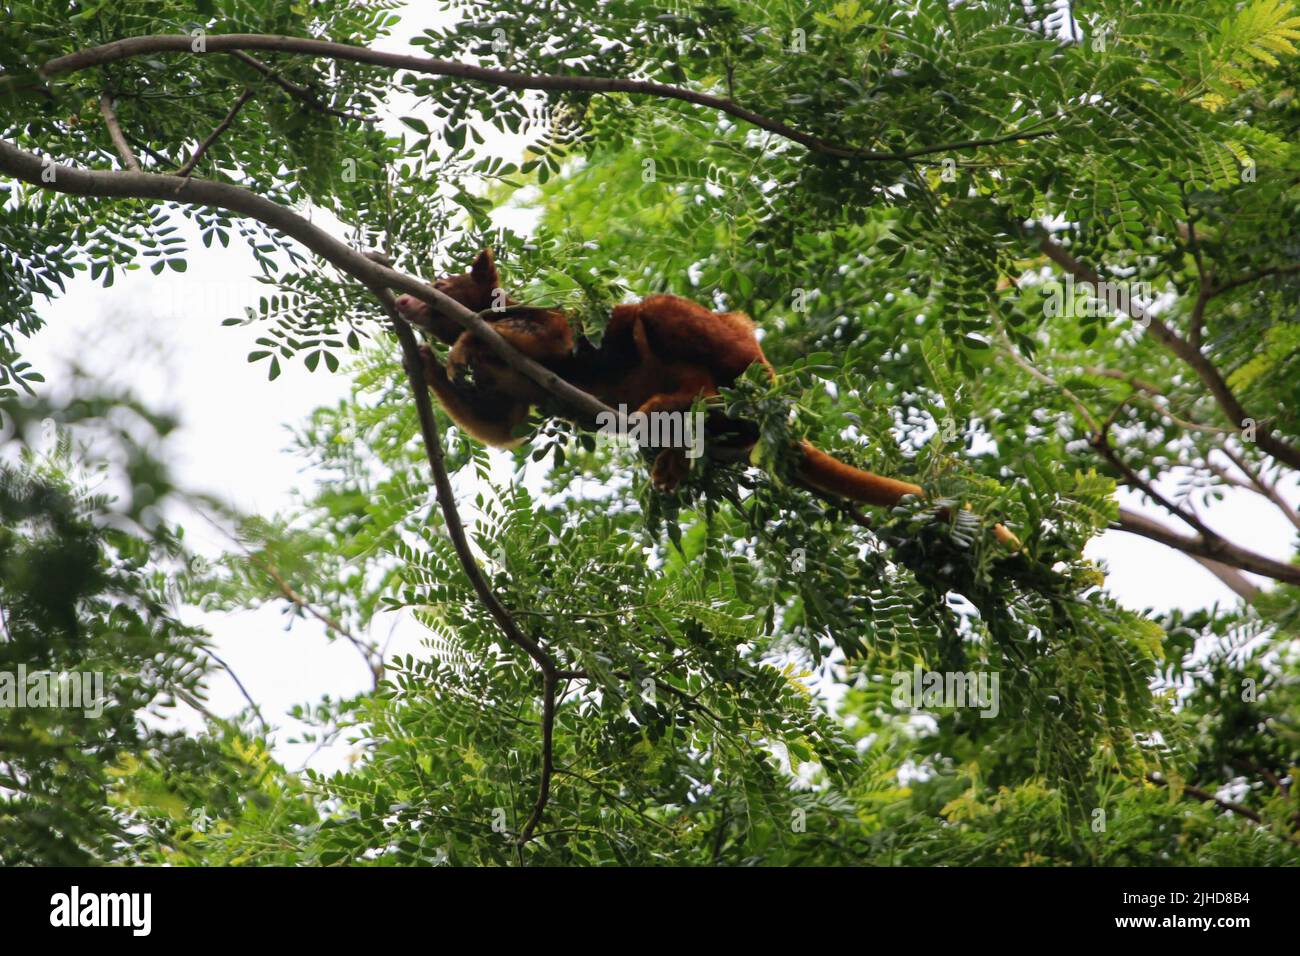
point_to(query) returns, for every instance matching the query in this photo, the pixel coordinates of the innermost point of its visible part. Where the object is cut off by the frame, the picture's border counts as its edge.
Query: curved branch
(227, 43)
(115, 133)
(548, 759)
(1223, 552)
(266, 728)
(456, 532)
(446, 497)
(1205, 370)
(374, 661)
(30, 168)
(1196, 793)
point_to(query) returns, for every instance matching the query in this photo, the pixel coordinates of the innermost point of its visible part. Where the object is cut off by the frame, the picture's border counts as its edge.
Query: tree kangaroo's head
(474, 289)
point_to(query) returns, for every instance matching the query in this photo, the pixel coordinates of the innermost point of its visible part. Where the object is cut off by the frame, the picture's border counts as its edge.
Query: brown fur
(657, 355)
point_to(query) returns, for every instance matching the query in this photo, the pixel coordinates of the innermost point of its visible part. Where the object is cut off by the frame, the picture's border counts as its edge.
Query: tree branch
(460, 542)
(378, 278)
(1265, 488)
(1196, 324)
(548, 759)
(442, 482)
(1257, 276)
(1210, 376)
(1223, 552)
(1149, 393)
(374, 664)
(226, 43)
(295, 89)
(115, 133)
(1039, 375)
(110, 184)
(242, 689)
(1205, 796)
(1101, 441)
(1239, 584)
(188, 166)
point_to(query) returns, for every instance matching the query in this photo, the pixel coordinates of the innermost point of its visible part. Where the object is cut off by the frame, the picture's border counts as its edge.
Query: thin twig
(240, 684)
(1151, 392)
(1265, 488)
(189, 164)
(548, 759)
(1088, 418)
(1100, 440)
(226, 43)
(296, 90)
(1257, 276)
(374, 663)
(1205, 796)
(460, 542)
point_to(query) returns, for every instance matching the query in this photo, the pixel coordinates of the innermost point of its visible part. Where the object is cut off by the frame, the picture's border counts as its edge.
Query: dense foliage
(918, 267)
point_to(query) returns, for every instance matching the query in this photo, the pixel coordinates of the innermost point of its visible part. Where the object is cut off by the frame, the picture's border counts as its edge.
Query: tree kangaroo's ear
(484, 272)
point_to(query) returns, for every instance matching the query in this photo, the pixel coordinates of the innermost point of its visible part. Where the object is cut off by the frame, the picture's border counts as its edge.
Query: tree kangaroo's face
(474, 289)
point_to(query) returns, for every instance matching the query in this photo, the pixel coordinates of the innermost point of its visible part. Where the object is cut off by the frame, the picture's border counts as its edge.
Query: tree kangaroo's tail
(834, 477)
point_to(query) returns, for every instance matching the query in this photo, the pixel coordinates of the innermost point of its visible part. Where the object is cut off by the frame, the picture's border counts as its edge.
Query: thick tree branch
(226, 43)
(1265, 488)
(1223, 552)
(29, 168)
(1136, 523)
(1205, 370)
(115, 133)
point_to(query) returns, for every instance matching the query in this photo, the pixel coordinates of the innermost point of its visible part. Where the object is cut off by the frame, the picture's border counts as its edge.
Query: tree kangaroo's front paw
(458, 366)
(433, 370)
(669, 470)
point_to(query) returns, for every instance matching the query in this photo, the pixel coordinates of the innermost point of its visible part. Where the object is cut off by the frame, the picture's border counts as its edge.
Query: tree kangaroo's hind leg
(671, 465)
(541, 334)
(490, 418)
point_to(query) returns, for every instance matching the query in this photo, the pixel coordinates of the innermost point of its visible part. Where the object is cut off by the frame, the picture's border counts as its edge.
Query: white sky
(161, 336)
